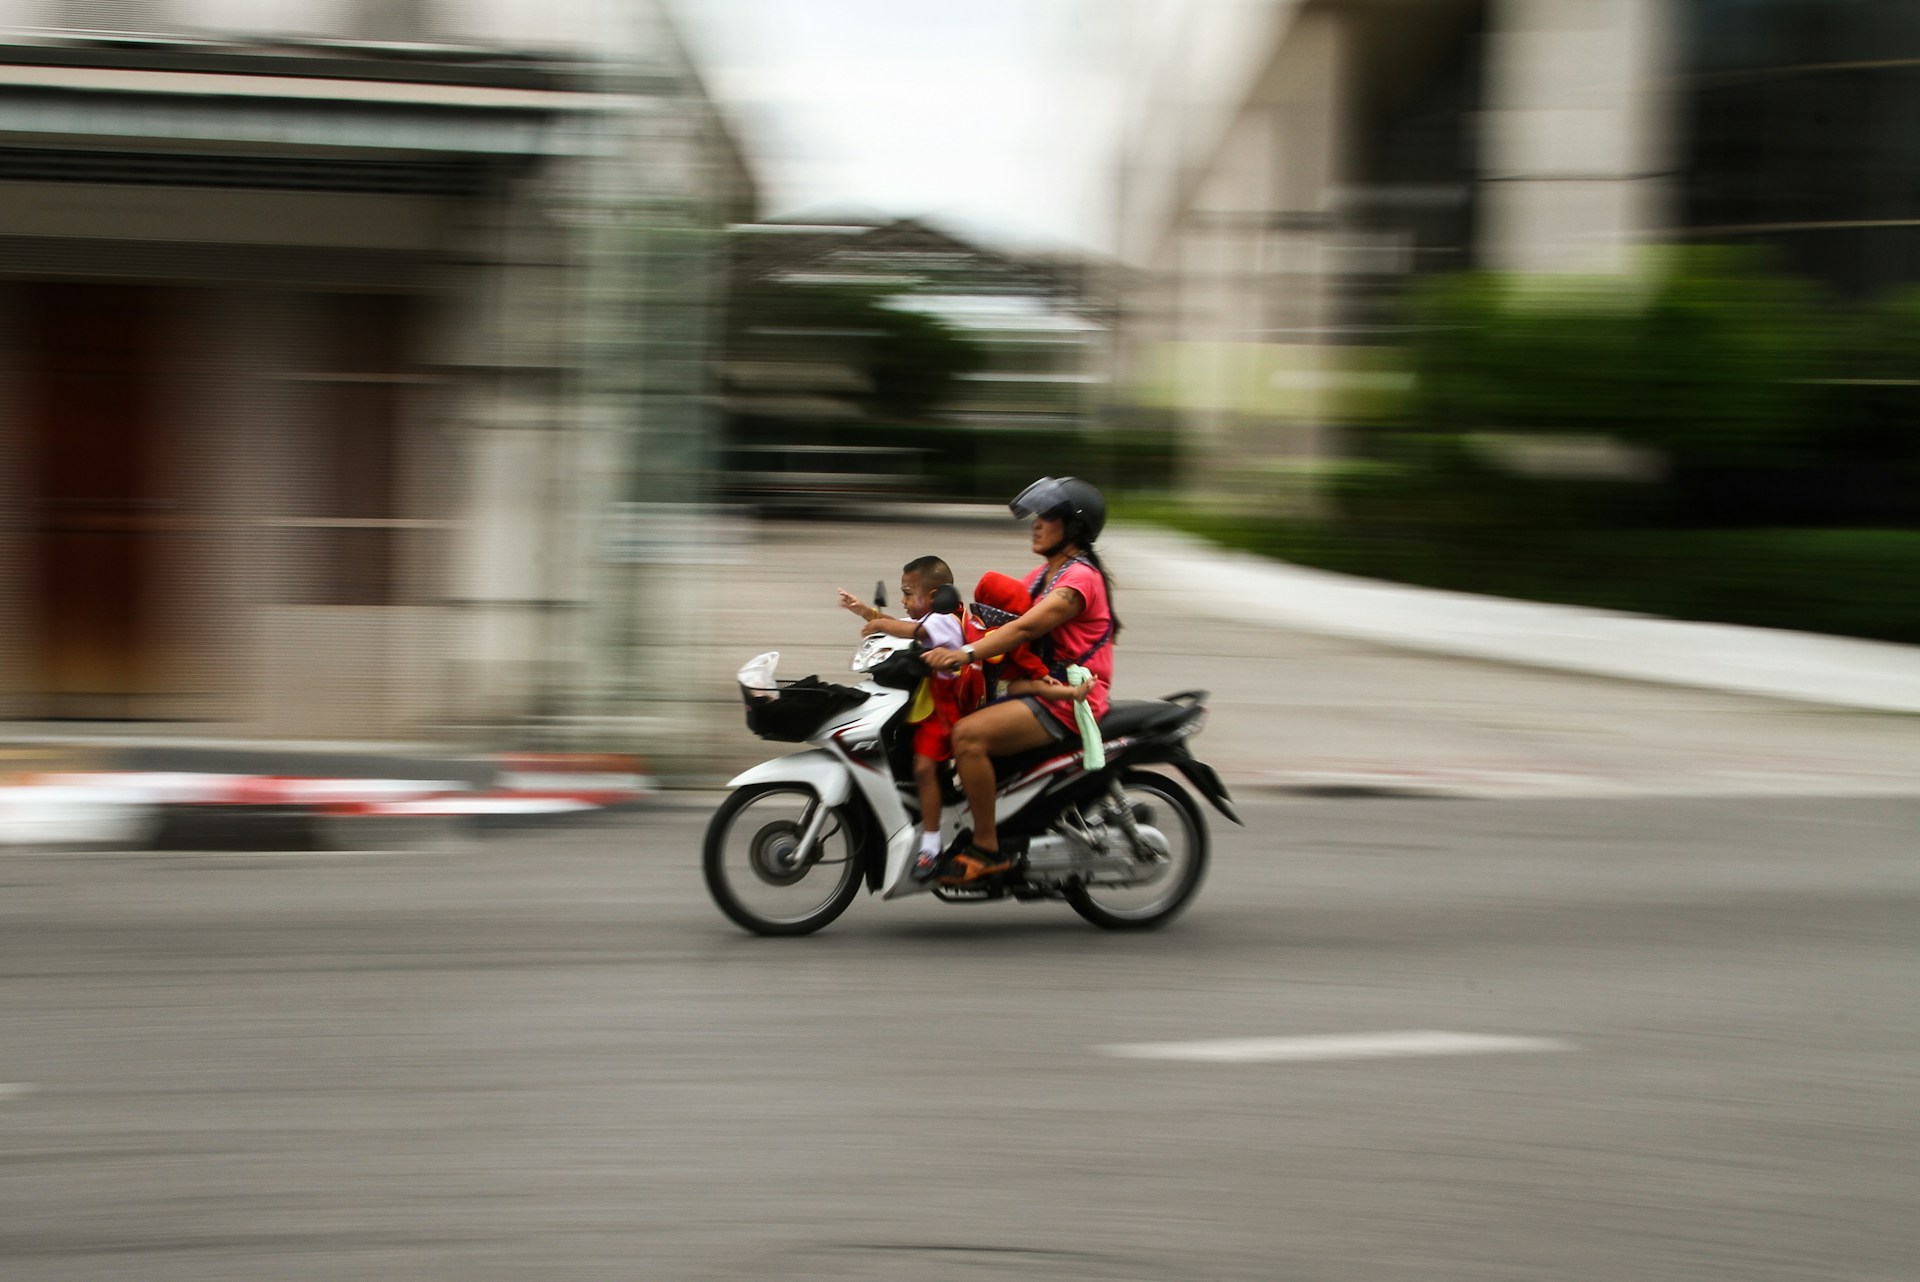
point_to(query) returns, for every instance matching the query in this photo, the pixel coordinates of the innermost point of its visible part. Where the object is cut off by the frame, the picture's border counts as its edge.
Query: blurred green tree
(904, 365)
(1716, 362)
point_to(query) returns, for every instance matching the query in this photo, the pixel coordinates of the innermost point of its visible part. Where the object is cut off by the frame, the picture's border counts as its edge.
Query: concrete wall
(1234, 205)
(1240, 287)
(1578, 152)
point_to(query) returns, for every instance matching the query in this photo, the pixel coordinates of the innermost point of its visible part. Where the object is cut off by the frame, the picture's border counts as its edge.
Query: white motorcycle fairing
(817, 768)
(850, 757)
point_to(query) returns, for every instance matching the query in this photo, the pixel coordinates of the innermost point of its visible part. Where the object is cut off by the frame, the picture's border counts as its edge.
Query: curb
(133, 809)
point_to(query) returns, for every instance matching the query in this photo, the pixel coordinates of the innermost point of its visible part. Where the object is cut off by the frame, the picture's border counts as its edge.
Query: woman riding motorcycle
(1071, 623)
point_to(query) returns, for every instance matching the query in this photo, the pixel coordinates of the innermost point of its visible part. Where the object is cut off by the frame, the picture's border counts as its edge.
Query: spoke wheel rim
(755, 851)
(1153, 893)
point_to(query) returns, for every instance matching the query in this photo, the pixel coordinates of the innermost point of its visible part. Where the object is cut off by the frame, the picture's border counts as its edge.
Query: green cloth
(1094, 748)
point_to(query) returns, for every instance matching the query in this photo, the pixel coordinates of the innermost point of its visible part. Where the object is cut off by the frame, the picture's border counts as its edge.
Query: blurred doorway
(96, 514)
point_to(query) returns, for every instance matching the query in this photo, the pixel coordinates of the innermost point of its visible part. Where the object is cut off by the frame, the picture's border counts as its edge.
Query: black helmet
(1078, 502)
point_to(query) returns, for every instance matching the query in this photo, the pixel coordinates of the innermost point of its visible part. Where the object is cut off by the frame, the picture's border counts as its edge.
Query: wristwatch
(968, 651)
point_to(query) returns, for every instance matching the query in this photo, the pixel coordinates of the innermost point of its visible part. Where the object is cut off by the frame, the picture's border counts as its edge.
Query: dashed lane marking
(1280, 1050)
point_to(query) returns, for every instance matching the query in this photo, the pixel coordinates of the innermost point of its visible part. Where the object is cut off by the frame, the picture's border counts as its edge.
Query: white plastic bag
(756, 675)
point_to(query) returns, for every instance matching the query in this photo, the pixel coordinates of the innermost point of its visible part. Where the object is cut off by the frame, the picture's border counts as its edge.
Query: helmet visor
(1044, 496)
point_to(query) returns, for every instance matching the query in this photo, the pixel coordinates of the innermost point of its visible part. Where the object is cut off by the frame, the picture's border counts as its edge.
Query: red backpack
(997, 601)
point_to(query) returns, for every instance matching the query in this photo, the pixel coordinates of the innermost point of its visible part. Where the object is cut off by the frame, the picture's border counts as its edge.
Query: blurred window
(1728, 35)
(1804, 134)
(353, 523)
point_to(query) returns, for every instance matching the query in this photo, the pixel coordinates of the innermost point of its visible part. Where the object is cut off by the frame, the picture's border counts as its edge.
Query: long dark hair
(1077, 537)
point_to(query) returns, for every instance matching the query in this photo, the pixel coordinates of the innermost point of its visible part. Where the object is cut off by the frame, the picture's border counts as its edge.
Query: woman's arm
(1062, 605)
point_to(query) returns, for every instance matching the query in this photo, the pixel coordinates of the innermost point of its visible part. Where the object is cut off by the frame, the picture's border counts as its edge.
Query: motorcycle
(788, 850)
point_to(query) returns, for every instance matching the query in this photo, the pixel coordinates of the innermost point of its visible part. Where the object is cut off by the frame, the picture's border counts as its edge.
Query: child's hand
(848, 601)
(1061, 692)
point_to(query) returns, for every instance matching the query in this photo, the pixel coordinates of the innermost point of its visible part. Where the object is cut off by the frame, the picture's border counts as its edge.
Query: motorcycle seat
(1142, 716)
(1124, 717)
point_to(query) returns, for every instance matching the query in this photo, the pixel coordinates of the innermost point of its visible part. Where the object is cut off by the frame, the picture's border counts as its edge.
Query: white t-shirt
(942, 630)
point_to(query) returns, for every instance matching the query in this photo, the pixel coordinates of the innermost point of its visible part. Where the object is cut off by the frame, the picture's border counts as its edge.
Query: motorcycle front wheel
(1166, 883)
(754, 871)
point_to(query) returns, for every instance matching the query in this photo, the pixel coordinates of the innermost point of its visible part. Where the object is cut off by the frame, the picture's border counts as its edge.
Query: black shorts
(1052, 724)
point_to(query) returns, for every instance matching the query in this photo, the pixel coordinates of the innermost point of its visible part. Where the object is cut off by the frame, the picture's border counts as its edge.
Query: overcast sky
(992, 116)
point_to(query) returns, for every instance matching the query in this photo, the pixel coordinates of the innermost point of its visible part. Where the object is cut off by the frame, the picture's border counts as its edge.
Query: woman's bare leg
(997, 730)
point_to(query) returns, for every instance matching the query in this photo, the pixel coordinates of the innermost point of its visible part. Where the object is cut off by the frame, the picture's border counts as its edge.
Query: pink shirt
(1074, 638)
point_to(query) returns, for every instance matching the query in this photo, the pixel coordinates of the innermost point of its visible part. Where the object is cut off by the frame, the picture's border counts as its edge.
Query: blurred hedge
(1783, 430)
(1765, 402)
(1780, 433)
(1853, 582)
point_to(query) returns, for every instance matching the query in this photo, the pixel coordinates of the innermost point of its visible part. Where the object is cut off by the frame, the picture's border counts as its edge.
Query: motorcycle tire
(1166, 801)
(838, 876)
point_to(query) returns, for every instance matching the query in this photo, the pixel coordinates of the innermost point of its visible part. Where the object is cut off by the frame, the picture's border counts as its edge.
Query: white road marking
(16, 1090)
(1262, 1050)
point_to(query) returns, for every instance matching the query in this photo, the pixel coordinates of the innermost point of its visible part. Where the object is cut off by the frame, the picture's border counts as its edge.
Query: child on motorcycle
(931, 602)
(933, 611)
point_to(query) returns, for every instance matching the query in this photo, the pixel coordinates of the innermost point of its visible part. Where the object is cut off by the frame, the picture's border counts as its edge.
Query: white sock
(929, 843)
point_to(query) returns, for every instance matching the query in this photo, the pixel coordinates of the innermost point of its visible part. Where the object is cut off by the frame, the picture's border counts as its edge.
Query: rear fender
(1203, 777)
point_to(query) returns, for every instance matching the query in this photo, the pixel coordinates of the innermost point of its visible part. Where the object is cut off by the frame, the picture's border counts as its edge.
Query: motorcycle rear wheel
(748, 863)
(1160, 803)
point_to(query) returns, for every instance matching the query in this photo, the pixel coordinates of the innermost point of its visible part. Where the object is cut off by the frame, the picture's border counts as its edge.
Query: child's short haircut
(932, 570)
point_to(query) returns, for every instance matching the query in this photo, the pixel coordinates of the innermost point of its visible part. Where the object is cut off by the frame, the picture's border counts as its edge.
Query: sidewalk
(1838, 671)
(1419, 693)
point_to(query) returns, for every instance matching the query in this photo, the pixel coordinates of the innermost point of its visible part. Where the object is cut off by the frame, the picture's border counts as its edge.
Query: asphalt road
(548, 1057)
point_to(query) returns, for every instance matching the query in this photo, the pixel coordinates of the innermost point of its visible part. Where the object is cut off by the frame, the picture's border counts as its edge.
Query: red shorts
(933, 739)
(952, 700)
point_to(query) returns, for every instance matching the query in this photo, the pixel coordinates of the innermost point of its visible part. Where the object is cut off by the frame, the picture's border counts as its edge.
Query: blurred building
(1040, 325)
(1290, 165)
(354, 352)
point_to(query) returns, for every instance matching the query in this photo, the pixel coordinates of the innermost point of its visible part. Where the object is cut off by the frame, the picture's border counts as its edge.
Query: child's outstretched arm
(848, 601)
(905, 629)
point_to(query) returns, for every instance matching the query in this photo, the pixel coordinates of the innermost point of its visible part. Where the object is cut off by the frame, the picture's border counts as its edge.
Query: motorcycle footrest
(971, 894)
